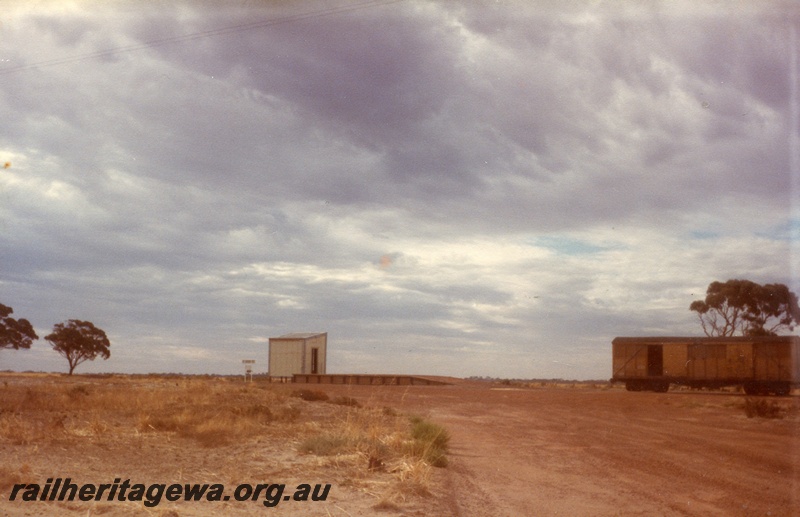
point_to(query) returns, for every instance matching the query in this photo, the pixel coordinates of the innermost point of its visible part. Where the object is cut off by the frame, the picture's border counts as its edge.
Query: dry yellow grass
(211, 411)
(361, 443)
(385, 441)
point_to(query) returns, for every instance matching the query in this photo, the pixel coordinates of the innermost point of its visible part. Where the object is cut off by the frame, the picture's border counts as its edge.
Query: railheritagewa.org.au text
(152, 494)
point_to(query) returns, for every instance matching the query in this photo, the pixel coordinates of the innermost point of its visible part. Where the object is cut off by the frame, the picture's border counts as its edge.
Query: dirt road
(561, 451)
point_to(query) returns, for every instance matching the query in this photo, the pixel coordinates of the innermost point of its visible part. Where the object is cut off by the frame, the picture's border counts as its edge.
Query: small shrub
(311, 395)
(431, 433)
(431, 442)
(763, 408)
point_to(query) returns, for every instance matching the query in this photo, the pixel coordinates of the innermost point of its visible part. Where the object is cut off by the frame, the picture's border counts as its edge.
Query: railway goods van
(761, 365)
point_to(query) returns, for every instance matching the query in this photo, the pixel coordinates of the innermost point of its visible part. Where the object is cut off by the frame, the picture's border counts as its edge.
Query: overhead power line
(197, 35)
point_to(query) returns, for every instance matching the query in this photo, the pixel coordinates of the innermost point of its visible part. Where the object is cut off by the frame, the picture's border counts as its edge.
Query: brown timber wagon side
(762, 365)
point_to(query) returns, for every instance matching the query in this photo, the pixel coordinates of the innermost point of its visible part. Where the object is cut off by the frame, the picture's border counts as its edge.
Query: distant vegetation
(78, 341)
(745, 308)
(542, 381)
(14, 334)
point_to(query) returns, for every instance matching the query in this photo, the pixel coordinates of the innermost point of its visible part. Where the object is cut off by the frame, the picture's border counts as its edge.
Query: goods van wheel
(633, 386)
(782, 389)
(756, 388)
(660, 387)
(644, 385)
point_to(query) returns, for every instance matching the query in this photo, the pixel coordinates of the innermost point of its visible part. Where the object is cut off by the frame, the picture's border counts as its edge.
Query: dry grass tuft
(327, 444)
(345, 401)
(311, 395)
(407, 449)
(386, 505)
(414, 477)
(763, 408)
(430, 442)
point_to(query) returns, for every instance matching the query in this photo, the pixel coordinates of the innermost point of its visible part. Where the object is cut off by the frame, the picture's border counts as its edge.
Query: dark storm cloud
(399, 90)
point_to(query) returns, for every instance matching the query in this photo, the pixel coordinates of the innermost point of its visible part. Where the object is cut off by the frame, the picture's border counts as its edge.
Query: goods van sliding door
(655, 360)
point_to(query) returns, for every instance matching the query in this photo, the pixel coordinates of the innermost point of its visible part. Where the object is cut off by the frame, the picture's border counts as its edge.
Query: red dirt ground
(594, 451)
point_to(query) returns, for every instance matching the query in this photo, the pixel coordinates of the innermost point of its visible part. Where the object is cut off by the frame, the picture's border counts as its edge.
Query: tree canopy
(14, 334)
(79, 341)
(746, 308)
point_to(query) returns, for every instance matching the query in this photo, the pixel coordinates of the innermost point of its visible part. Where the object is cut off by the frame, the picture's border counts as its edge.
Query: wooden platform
(367, 379)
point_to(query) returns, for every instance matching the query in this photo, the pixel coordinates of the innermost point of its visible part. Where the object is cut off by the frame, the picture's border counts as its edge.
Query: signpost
(248, 369)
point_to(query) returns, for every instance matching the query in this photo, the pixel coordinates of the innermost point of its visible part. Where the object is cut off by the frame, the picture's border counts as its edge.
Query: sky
(463, 188)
